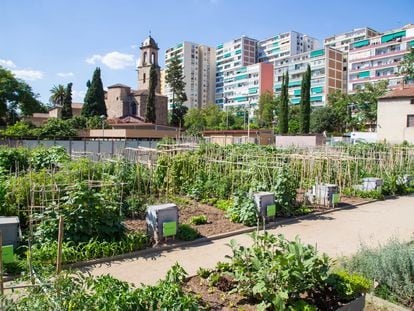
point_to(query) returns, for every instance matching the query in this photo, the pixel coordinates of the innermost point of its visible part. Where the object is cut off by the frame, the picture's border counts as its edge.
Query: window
(412, 101)
(144, 78)
(410, 120)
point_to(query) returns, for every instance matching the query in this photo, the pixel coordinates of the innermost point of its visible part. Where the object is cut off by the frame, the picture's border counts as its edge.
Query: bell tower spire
(149, 56)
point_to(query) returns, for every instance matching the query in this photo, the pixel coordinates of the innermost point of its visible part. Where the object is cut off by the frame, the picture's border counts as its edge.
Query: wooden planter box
(355, 305)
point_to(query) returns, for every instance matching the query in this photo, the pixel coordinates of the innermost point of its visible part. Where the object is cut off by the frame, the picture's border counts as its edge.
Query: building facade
(342, 41)
(326, 74)
(231, 57)
(395, 116)
(376, 59)
(244, 87)
(284, 45)
(198, 66)
(128, 106)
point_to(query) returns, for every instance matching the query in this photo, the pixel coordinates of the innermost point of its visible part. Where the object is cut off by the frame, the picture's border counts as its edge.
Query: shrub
(349, 286)
(13, 159)
(87, 214)
(187, 233)
(223, 205)
(198, 220)
(51, 157)
(243, 210)
(392, 266)
(135, 207)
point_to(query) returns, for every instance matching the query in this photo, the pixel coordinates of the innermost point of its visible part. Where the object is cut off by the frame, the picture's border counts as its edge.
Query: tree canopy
(266, 109)
(406, 67)
(174, 77)
(94, 103)
(16, 98)
(284, 106)
(150, 115)
(67, 103)
(305, 106)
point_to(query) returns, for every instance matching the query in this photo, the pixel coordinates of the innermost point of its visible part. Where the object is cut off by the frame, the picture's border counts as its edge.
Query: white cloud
(113, 60)
(134, 46)
(78, 96)
(65, 74)
(28, 74)
(7, 63)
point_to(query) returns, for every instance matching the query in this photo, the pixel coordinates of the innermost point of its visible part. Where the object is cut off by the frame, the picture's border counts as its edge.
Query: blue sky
(50, 42)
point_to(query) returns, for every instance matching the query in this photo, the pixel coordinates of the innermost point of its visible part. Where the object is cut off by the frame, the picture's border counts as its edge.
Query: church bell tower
(149, 55)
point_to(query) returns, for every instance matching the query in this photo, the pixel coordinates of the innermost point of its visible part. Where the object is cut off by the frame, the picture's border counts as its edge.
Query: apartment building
(231, 57)
(162, 81)
(198, 64)
(326, 74)
(284, 45)
(342, 41)
(244, 87)
(376, 59)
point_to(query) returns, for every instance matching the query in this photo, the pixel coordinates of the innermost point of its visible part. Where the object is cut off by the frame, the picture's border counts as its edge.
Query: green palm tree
(58, 95)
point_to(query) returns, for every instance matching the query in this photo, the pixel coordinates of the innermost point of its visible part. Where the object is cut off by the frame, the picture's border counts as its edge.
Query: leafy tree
(67, 103)
(406, 67)
(150, 115)
(214, 117)
(323, 119)
(341, 104)
(305, 107)
(175, 79)
(366, 100)
(58, 95)
(194, 121)
(16, 95)
(284, 106)
(266, 109)
(56, 128)
(294, 119)
(95, 97)
(19, 129)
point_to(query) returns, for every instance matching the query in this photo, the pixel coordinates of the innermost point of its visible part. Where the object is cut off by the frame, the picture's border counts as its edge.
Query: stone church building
(126, 106)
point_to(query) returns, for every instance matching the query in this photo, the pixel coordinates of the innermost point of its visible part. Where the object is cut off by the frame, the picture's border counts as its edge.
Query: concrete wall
(129, 133)
(300, 141)
(392, 120)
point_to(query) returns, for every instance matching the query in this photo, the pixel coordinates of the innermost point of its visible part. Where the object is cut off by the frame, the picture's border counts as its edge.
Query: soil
(217, 222)
(187, 208)
(215, 298)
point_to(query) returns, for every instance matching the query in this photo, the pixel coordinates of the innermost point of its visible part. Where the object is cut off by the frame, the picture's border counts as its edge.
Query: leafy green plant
(349, 286)
(275, 271)
(187, 233)
(45, 253)
(243, 210)
(42, 157)
(369, 194)
(223, 205)
(204, 273)
(86, 215)
(198, 220)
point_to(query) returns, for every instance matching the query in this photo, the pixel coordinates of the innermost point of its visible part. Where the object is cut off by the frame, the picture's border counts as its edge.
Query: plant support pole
(59, 250)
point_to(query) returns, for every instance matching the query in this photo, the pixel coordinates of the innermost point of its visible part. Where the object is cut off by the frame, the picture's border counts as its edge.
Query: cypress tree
(284, 105)
(150, 115)
(305, 108)
(174, 77)
(67, 103)
(95, 97)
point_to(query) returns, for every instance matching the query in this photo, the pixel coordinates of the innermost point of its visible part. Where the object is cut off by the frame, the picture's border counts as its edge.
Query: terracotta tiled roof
(407, 91)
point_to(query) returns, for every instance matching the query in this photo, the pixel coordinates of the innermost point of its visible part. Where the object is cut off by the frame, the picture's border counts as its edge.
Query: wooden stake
(60, 241)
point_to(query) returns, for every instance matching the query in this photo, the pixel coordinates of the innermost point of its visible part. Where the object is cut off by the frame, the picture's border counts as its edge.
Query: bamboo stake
(60, 241)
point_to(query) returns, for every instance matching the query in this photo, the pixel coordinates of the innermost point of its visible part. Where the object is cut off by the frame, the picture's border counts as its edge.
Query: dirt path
(338, 234)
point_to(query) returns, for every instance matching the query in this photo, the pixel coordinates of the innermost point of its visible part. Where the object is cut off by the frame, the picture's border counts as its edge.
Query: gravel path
(339, 233)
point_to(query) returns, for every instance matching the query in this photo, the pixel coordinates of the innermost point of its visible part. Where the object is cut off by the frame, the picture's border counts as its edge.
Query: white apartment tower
(284, 45)
(231, 57)
(198, 66)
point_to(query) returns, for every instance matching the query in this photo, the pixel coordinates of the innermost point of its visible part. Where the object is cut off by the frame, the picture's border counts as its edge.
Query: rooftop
(407, 91)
